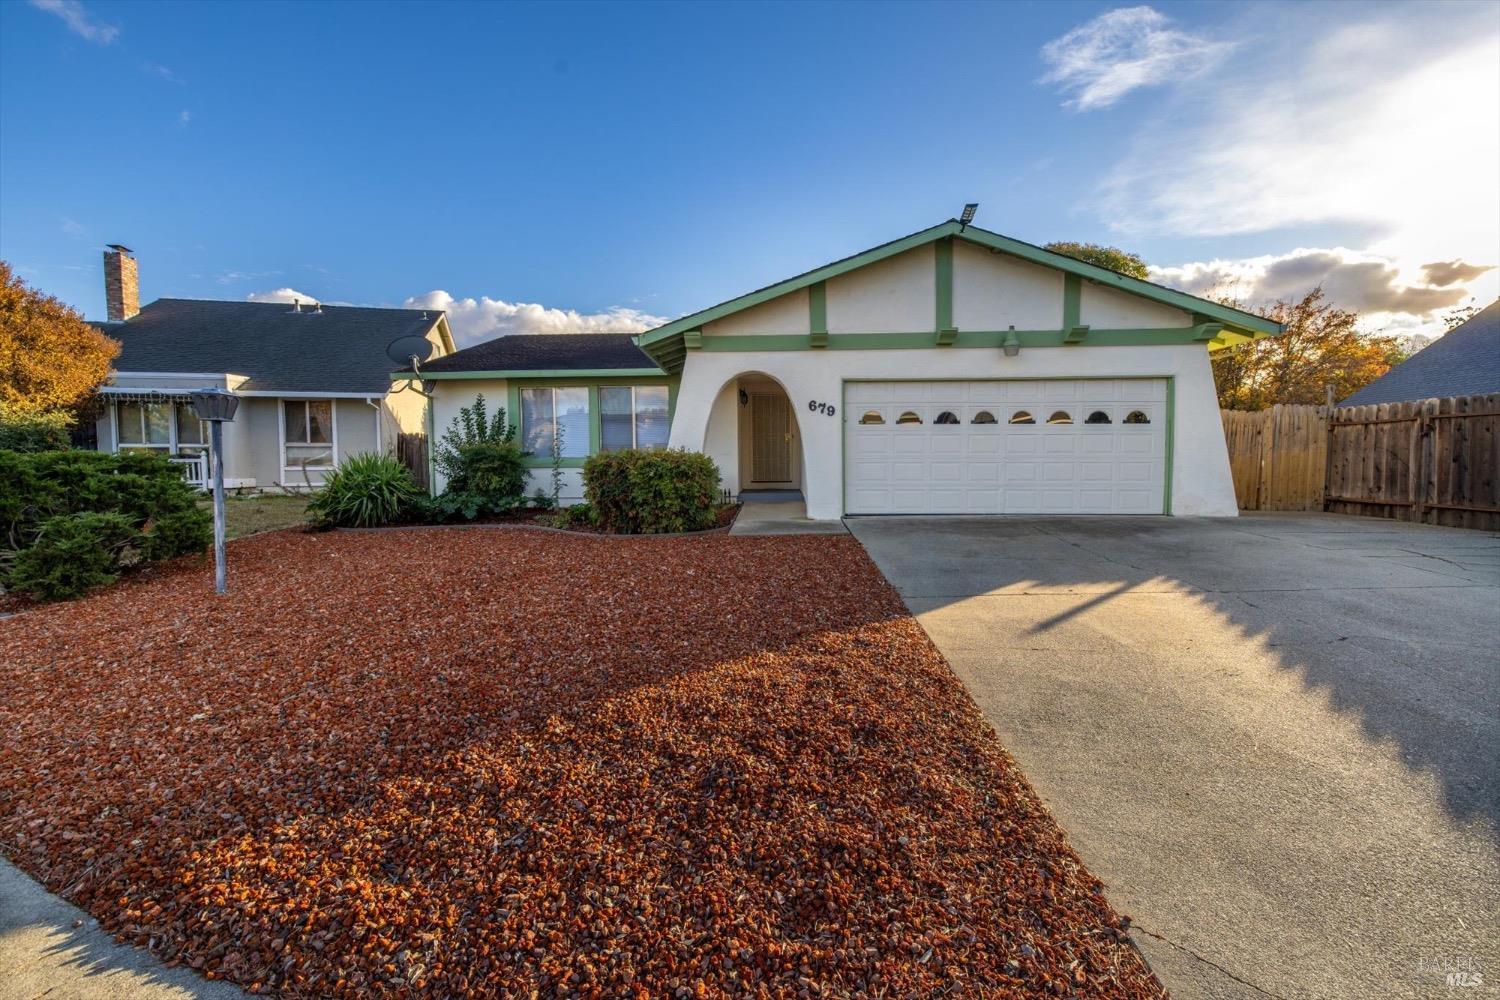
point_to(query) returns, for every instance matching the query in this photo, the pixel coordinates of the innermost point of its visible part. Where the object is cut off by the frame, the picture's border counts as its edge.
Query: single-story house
(314, 380)
(1463, 362)
(954, 370)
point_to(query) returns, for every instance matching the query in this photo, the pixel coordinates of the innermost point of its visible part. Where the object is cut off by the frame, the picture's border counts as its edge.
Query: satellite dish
(403, 349)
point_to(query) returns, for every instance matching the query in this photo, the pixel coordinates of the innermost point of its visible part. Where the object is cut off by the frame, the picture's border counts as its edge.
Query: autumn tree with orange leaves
(50, 358)
(1320, 348)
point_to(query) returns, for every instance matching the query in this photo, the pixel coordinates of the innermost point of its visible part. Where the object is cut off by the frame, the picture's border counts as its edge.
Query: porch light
(215, 406)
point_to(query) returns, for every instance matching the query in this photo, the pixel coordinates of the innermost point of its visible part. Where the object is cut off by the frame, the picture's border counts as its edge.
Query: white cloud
(287, 295)
(1121, 50)
(474, 320)
(1379, 125)
(78, 20)
(1368, 283)
(184, 117)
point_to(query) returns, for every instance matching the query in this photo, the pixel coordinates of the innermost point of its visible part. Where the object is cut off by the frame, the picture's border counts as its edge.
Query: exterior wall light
(1012, 344)
(215, 405)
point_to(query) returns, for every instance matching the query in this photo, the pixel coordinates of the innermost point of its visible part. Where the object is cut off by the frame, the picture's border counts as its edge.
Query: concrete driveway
(1276, 737)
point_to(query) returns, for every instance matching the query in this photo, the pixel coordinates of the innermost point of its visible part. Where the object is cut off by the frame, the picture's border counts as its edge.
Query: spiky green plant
(366, 491)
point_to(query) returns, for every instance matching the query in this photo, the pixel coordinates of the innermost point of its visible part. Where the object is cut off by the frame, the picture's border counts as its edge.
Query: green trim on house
(664, 344)
(943, 291)
(962, 338)
(582, 373)
(1072, 300)
(817, 315)
(1166, 496)
(429, 419)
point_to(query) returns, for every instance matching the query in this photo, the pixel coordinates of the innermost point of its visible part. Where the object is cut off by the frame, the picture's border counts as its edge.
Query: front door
(770, 439)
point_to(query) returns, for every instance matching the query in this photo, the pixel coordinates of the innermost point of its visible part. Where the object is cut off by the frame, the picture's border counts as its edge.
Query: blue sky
(579, 166)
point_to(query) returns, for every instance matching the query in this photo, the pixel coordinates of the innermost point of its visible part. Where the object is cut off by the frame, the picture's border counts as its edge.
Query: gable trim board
(667, 344)
(939, 306)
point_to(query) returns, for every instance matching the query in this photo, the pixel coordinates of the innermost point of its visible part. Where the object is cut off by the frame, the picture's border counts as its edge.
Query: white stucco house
(313, 381)
(954, 370)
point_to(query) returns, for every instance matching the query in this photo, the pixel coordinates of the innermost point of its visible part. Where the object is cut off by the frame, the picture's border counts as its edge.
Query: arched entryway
(753, 435)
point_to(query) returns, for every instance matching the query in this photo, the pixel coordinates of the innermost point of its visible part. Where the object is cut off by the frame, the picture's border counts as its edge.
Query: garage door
(1062, 446)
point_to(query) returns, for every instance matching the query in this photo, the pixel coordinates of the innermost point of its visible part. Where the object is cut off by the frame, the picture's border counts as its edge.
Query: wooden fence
(1435, 461)
(411, 449)
(1278, 457)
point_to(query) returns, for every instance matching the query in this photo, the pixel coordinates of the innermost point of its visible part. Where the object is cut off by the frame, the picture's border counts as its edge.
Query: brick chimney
(122, 288)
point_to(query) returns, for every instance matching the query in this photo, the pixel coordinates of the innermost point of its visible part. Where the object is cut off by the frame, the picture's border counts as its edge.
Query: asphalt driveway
(1276, 737)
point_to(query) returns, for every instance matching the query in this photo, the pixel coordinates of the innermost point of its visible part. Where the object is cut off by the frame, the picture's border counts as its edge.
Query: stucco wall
(1200, 469)
(995, 292)
(787, 314)
(1108, 309)
(894, 295)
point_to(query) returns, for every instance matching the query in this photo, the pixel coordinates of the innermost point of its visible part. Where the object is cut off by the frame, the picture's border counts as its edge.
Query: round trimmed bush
(652, 491)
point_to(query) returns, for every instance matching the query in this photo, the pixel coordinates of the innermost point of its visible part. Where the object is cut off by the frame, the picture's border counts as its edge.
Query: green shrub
(73, 552)
(484, 468)
(62, 512)
(580, 515)
(35, 431)
(366, 491)
(647, 492)
(473, 425)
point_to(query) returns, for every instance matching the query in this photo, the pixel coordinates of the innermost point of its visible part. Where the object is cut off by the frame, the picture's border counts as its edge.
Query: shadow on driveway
(1277, 737)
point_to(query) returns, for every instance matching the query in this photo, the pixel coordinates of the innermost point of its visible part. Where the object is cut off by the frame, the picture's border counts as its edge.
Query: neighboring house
(313, 380)
(952, 371)
(1463, 362)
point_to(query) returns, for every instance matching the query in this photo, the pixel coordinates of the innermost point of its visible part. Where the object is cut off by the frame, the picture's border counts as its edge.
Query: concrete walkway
(782, 517)
(51, 949)
(1275, 737)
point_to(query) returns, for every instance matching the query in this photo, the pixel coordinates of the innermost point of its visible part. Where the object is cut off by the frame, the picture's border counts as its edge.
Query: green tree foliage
(50, 358)
(70, 520)
(1120, 261)
(1321, 347)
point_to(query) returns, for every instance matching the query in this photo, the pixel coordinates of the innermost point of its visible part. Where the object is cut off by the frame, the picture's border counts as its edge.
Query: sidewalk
(51, 949)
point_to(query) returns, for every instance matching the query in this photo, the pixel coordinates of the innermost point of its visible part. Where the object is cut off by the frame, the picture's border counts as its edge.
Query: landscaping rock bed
(437, 763)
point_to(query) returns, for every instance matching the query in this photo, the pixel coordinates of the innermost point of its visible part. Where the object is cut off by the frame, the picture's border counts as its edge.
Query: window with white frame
(172, 428)
(308, 433)
(555, 418)
(632, 416)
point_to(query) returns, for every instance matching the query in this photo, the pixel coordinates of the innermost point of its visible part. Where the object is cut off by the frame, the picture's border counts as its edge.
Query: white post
(216, 457)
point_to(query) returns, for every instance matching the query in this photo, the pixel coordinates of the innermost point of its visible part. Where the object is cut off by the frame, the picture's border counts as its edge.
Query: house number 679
(824, 408)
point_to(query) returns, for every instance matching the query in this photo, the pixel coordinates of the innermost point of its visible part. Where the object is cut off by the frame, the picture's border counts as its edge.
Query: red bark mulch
(450, 763)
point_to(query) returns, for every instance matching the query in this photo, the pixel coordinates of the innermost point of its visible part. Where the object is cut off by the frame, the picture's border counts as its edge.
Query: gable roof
(665, 343)
(537, 355)
(1463, 362)
(340, 349)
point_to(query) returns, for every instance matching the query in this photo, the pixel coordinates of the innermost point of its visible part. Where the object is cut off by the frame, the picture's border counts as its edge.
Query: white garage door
(1057, 446)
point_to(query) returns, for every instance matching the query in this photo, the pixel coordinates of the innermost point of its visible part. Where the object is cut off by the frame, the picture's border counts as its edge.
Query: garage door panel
(996, 466)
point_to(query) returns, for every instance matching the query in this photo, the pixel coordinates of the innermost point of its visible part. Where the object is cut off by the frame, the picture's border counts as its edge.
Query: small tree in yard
(482, 464)
(1321, 347)
(50, 359)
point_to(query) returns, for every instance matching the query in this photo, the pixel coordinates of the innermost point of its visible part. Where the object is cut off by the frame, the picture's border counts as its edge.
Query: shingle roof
(546, 352)
(1464, 362)
(341, 349)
